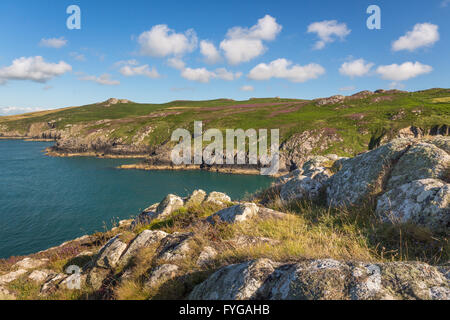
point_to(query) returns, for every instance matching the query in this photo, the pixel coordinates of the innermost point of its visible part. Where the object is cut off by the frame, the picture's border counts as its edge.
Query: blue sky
(158, 51)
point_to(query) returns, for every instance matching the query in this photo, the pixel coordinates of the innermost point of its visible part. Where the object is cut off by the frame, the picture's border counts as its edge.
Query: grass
(291, 116)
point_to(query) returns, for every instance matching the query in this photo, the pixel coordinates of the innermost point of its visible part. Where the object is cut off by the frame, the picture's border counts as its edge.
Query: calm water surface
(45, 201)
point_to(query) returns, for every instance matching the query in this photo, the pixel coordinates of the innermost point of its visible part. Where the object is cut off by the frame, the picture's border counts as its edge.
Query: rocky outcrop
(218, 198)
(146, 238)
(363, 176)
(237, 213)
(234, 282)
(325, 279)
(161, 274)
(424, 202)
(299, 148)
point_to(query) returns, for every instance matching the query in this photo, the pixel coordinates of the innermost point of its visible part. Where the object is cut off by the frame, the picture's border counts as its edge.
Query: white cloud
(328, 31)
(203, 75)
(161, 41)
(283, 69)
(355, 68)
(224, 74)
(78, 56)
(7, 111)
(404, 71)
(143, 70)
(209, 51)
(176, 63)
(104, 79)
(247, 88)
(132, 68)
(244, 44)
(445, 3)
(422, 35)
(53, 42)
(199, 74)
(33, 69)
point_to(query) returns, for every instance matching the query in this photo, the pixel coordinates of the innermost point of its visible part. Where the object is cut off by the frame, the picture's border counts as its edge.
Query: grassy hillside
(356, 119)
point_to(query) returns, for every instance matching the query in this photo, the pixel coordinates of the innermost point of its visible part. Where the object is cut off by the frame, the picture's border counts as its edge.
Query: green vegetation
(356, 119)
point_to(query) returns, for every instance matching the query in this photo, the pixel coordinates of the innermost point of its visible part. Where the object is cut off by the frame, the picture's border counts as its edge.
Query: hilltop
(344, 125)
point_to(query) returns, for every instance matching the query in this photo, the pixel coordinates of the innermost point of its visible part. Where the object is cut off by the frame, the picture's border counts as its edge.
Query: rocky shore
(370, 227)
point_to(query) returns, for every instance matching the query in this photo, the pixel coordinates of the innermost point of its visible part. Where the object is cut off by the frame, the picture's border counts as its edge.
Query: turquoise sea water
(45, 201)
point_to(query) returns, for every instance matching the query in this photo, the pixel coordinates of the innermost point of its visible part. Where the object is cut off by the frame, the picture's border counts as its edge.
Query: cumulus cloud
(203, 75)
(328, 31)
(355, 68)
(247, 88)
(422, 35)
(176, 63)
(105, 79)
(283, 69)
(161, 41)
(209, 51)
(403, 71)
(53, 42)
(132, 68)
(33, 69)
(199, 74)
(244, 44)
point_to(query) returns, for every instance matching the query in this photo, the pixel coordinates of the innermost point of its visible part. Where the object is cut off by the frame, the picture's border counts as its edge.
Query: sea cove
(45, 201)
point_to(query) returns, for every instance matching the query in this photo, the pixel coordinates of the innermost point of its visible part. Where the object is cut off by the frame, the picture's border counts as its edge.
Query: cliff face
(370, 227)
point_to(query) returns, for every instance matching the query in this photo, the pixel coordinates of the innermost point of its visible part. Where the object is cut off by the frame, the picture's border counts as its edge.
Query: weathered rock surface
(364, 175)
(97, 276)
(206, 256)
(11, 276)
(174, 247)
(237, 213)
(421, 161)
(234, 282)
(145, 239)
(110, 253)
(301, 187)
(325, 279)
(161, 274)
(40, 275)
(424, 202)
(30, 263)
(196, 198)
(218, 198)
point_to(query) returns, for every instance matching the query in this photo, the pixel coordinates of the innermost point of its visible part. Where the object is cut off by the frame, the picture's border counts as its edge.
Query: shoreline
(149, 167)
(141, 166)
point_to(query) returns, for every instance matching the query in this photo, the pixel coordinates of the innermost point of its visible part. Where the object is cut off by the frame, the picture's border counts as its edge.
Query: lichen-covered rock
(53, 283)
(169, 204)
(363, 176)
(423, 202)
(161, 274)
(218, 198)
(97, 276)
(110, 253)
(442, 142)
(196, 198)
(174, 246)
(285, 178)
(421, 161)
(40, 275)
(237, 213)
(145, 239)
(301, 187)
(206, 256)
(234, 282)
(11, 276)
(30, 263)
(325, 279)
